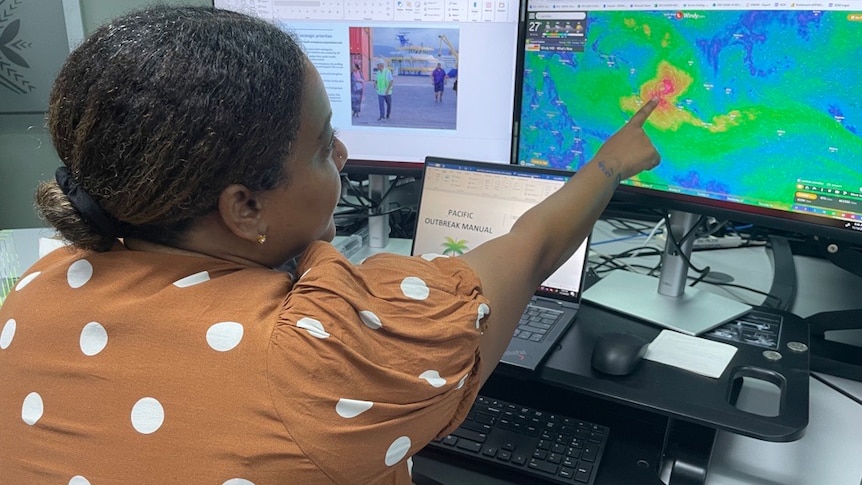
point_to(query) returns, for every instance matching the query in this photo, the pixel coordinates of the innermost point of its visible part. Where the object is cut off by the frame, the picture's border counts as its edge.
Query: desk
(828, 453)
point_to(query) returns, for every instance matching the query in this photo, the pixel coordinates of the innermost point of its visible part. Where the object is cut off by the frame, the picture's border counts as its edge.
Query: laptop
(465, 203)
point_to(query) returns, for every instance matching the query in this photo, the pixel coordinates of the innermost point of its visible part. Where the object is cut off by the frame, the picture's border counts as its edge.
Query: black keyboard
(552, 447)
(536, 322)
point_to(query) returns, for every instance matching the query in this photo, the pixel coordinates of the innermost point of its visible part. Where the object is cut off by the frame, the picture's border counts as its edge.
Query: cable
(393, 185)
(621, 224)
(691, 232)
(655, 230)
(717, 226)
(615, 259)
(609, 241)
(401, 224)
(627, 225)
(398, 209)
(608, 260)
(364, 201)
(678, 245)
(741, 287)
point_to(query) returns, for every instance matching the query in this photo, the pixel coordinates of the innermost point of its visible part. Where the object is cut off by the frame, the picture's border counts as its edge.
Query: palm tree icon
(452, 247)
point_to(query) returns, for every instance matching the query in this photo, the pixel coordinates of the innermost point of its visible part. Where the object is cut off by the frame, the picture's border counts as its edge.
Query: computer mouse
(618, 353)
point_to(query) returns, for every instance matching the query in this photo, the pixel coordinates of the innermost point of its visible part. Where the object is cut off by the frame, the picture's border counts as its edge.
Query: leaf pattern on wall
(11, 61)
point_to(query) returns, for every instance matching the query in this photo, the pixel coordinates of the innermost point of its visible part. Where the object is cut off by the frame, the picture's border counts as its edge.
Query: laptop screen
(465, 203)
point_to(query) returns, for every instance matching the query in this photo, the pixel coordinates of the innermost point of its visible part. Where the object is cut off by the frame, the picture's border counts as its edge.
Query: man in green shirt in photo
(383, 85)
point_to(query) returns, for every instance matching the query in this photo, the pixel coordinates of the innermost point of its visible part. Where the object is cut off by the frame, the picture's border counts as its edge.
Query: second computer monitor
(759, 118)
(451, 66)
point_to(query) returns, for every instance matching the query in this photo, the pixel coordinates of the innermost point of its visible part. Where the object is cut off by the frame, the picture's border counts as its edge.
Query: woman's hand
(630, 149)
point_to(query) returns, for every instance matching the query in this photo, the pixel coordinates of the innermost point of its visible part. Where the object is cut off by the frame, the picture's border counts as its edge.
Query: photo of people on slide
(404, 77)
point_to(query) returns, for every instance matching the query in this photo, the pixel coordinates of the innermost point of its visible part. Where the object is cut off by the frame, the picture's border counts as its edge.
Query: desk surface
(829, 450)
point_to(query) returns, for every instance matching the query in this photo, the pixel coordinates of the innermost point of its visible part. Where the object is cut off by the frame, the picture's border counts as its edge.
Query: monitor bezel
(791, 223)
(361, 167)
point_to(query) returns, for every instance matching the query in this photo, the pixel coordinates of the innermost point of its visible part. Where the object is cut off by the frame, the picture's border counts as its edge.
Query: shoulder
(126, 273)
(386, 274)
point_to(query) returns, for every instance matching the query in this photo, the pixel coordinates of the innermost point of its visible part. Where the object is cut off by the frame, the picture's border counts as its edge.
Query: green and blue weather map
(752, 104)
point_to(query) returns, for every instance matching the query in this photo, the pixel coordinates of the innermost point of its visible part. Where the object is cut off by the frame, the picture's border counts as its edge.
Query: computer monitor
(468, 114)
(759, 117)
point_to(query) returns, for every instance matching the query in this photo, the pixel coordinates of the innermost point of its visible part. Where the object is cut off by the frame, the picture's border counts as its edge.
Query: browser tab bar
(575, 5)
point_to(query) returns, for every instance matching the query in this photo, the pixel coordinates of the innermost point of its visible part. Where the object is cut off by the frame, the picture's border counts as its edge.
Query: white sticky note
(695, 354)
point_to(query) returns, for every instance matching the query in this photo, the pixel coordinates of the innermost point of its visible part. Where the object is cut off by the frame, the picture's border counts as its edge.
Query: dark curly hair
(160, 110)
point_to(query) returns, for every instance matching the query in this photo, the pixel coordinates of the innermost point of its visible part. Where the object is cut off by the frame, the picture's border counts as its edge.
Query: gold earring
(261, 238)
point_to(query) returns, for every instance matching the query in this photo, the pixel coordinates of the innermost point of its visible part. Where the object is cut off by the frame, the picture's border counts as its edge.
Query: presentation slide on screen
(410, 79)
(472, 120)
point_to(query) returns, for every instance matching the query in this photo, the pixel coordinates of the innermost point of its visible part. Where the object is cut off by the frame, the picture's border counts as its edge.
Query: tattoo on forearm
(608, 171)
(605, 170)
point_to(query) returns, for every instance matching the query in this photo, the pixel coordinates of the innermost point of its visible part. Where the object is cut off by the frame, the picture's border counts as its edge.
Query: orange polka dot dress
(133, 367)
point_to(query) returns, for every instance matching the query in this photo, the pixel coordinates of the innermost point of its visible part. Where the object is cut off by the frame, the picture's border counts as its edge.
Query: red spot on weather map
(679, 15)
(670, 85)
(666, 86)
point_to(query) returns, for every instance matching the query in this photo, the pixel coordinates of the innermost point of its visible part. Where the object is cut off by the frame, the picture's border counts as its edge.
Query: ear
(240, 210)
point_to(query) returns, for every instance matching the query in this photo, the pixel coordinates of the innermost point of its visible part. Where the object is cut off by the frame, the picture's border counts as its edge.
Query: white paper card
(695, 354)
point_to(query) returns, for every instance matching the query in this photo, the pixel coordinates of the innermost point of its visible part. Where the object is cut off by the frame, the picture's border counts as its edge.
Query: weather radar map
(754, 105)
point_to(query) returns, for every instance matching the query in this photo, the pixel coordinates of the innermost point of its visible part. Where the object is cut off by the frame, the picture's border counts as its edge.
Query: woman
(357, 88)
(197, 155)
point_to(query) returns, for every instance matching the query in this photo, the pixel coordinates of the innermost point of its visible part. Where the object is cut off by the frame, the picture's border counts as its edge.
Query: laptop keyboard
(536, 322)
(540, 445)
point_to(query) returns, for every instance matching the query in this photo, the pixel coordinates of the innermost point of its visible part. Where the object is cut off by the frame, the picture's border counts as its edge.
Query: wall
(26, 154)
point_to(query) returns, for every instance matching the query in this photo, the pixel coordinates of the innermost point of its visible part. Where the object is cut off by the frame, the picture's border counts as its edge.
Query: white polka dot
(433, 378)
(414, 288)
(26, 280)
(238, 481)
(314, 327)
(370, 319)
(462, 381)
(224, 336)
(410, 466)
(32, 409)
(484, 309)
(397, 450)
(147, 415)
(94, 338)
(433, 256)
(350, 408)
(79, 480)
(79, 273)
(8, 333)
(192, 280)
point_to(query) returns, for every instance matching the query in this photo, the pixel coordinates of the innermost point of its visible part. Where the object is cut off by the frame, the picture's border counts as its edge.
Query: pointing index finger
(643, 113)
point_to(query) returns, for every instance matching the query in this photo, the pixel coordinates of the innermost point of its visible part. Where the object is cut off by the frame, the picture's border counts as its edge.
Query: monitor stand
(666, 301)
(378, 224)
